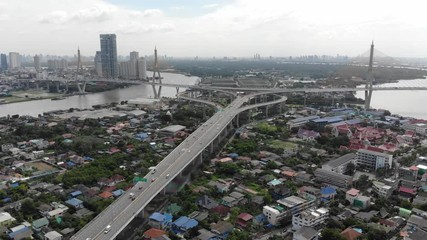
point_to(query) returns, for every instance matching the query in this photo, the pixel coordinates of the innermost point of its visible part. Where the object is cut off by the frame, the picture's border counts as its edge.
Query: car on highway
(107, 228)
(154, 179)
(167, 176)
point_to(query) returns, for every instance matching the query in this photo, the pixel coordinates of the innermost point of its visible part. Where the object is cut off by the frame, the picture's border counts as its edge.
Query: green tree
(331, 234)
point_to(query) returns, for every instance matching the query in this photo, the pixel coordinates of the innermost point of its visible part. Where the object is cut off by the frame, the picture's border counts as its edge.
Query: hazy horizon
(214, 28)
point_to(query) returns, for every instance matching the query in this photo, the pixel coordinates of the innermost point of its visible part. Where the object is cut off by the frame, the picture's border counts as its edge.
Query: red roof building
(153, 233)
(244, 219)
(407, 192)
(350, 234)
(106, 195)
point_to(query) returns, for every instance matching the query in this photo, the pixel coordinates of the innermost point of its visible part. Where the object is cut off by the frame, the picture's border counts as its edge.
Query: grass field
(281, 144)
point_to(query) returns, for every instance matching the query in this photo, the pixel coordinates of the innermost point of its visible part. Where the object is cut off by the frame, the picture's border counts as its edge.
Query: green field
(281, 144)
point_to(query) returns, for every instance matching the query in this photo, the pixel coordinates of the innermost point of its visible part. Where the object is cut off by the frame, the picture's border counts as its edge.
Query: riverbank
(29, 95)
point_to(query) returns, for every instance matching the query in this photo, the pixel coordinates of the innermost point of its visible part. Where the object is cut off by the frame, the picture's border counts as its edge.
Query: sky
(208, 28)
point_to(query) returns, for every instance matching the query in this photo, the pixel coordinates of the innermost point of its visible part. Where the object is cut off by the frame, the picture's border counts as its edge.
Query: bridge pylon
(156, 77)
(369, 79)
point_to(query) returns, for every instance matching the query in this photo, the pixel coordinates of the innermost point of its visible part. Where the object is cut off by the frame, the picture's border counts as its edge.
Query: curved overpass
(122, 211)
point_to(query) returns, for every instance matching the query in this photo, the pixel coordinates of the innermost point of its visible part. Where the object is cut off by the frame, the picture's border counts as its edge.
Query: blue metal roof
(74, 202)
(328, 120)
(328, 190)
(181, 221)
(13, 234)
(156, 216)
(76, 193)
(118, 192)
(185, 223)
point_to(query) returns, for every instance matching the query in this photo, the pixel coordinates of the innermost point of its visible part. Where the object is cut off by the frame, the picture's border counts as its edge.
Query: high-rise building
(109, 55)
(3, 59)
(134, 56)
(98, 63)
(14, 60)
(57, 64)
(142, 68)
(37, 64)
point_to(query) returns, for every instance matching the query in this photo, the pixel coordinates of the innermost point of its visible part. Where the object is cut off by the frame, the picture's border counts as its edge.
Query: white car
(107, 229)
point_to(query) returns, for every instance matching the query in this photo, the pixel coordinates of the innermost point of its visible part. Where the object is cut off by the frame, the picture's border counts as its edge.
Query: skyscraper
(98, 63)
(14, 60)
(109, 55)
(142, 68)
(133, 65)
(3, 59)
(37, 64)
(134, 56)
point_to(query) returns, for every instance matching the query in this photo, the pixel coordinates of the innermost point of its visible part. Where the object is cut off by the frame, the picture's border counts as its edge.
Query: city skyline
(189, 28)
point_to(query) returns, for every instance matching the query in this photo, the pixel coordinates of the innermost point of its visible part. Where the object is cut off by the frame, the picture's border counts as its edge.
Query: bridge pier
(57, 87)
(141, 214)
(157, 93)
(266, 111)
(81, 88)
(305, 99)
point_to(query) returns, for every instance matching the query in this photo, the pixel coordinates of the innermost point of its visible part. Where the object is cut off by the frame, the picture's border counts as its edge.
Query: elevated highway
(204, 140)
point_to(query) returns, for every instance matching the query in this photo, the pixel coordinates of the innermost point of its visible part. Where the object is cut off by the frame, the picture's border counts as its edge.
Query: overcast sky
(206, 28)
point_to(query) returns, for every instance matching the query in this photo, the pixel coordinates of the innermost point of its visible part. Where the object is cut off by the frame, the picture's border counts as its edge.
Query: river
(36, 107)
(404, 103)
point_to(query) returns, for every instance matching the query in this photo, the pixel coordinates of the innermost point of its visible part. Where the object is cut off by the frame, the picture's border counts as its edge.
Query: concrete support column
(266, 111)
(57, 87)
(305, 99)
(84, 86)
(141, 214)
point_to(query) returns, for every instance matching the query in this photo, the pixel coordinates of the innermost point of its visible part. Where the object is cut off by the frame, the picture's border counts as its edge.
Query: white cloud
(147, 13)
(213, 5)
(234, 28)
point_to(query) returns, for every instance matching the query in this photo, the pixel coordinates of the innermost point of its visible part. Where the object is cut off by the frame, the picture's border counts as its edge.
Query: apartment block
(339, 165)
(372, 160)
(285, 208)
(333, 178)
(310, 218)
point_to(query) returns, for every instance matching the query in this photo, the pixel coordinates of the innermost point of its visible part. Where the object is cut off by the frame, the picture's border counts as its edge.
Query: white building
(285, 208)
(382, 189)
(333, 178)
(372, 160)
(420, 128)
(14, 60)
(142, 68)
(309, 218)
(6, 218)
(339, 165)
